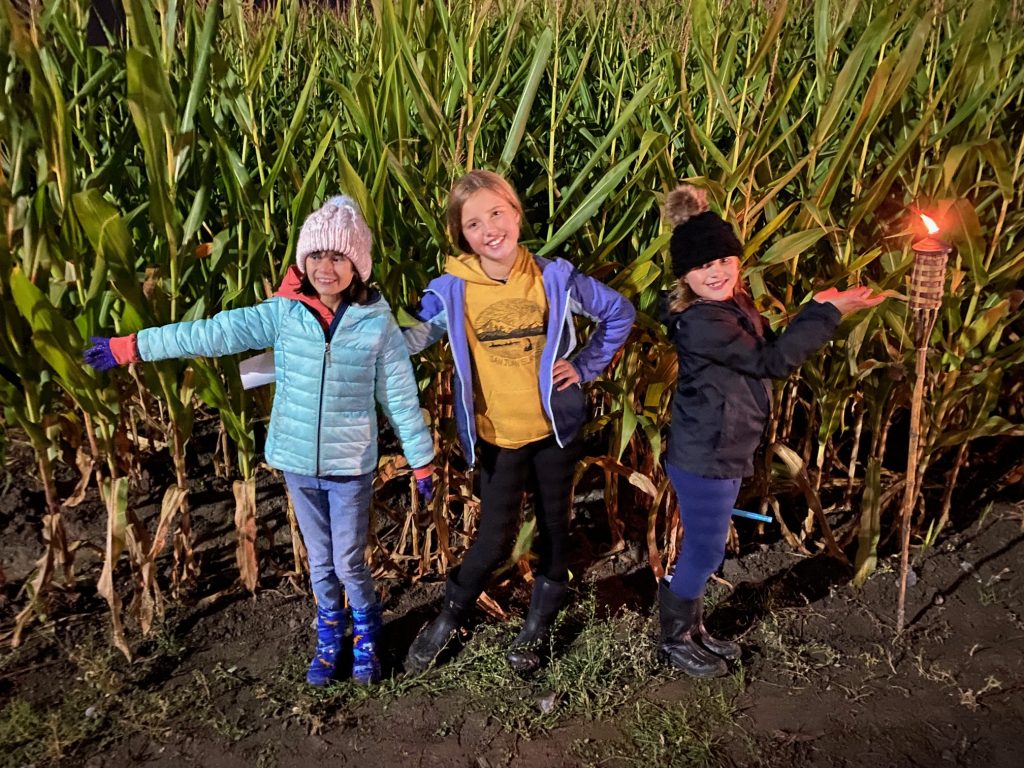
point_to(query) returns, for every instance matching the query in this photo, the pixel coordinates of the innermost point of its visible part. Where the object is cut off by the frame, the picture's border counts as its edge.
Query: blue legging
(705, 506)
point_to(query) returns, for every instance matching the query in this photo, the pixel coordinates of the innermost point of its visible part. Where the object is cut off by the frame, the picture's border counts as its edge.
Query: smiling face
(715, 280)
(329, 273)
(490, 226)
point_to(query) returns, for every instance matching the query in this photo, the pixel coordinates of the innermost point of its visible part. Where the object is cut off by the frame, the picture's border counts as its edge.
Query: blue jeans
(705, 507)
(334, 517)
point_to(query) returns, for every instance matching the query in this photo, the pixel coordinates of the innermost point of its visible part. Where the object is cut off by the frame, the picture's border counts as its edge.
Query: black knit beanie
(698, 235)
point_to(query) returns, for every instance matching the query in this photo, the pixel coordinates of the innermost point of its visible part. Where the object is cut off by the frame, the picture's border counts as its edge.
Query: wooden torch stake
(926, 288)
(913, 450)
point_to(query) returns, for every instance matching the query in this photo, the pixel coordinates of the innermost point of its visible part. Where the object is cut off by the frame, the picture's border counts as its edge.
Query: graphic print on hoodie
(505, 325)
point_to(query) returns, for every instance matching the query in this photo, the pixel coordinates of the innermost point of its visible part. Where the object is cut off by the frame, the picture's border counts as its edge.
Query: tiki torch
(927, 285)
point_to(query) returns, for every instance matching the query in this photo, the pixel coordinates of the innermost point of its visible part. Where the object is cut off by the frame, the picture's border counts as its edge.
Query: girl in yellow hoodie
(519, 402)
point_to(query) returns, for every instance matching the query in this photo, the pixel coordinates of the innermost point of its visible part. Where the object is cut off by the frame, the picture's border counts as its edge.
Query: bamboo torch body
(927, 284)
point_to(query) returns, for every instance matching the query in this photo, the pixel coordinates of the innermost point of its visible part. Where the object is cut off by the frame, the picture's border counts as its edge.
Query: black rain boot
(437, 635)
(679, 622)
(727, 649)
(545, 602)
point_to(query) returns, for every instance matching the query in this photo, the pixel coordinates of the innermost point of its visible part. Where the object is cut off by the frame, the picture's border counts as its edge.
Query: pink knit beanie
(336, 226)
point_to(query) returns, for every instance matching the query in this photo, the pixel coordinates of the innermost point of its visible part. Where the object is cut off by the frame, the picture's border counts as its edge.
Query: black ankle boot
(727, 649)
(545, 602)
(438, 634)
(679, 622)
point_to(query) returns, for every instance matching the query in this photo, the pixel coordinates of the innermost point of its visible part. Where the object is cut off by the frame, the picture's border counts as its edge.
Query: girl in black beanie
(727, 357)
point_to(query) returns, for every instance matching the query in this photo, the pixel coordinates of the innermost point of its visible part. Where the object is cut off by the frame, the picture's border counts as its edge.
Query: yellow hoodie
(505, 324)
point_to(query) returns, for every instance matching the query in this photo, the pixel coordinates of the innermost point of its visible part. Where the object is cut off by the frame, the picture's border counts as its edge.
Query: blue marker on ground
(752, 516)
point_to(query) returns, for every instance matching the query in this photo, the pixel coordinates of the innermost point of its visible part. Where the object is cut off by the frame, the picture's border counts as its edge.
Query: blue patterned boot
(330, 627)
(365, 630)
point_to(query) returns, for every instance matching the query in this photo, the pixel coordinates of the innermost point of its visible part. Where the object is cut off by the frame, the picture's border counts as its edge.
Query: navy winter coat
(727, 357)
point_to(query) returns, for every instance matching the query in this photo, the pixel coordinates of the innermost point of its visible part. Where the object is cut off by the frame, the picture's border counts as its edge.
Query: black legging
(545, 469)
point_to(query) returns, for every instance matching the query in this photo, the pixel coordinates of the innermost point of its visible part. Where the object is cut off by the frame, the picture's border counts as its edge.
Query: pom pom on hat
(336, 226)
(684, 202)
(699, 235)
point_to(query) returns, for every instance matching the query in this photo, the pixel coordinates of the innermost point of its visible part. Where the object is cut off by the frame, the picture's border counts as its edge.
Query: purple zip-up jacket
(443, 310)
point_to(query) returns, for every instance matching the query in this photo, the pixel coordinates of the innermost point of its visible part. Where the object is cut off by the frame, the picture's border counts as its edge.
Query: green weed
(689, 733)
(31, 735)
(783, 650)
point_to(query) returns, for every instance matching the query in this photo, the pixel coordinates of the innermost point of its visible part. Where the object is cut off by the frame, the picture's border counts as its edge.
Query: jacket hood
(466, 266)
(291, 285)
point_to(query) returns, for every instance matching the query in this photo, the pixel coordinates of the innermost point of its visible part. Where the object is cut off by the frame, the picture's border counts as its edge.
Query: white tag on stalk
(257, 370)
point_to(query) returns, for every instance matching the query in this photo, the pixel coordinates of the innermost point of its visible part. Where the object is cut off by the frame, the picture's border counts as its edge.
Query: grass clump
(597, 664)
(795, 657)
(31, 735)
(688, 734)
(607, 662)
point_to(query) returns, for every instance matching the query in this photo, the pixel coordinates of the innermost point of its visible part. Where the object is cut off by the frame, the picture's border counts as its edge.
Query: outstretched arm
(712, 331)
(226, 333)
(231, 331)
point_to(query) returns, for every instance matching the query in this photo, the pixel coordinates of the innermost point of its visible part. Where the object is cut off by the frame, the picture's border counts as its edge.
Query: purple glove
(99, 355)
(425, 486)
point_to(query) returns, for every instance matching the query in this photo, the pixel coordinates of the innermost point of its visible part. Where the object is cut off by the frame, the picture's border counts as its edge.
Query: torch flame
(929, 222)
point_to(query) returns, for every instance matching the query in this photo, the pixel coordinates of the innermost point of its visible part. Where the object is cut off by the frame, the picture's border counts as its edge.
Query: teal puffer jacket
(323, 421)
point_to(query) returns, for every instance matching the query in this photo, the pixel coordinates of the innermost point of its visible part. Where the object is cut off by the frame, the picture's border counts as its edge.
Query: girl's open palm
(850, 300)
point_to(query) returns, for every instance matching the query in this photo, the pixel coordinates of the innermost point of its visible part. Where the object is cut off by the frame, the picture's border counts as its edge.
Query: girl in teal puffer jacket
(337, 351)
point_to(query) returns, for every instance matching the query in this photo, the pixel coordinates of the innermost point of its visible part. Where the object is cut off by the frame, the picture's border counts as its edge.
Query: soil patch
(825, 680)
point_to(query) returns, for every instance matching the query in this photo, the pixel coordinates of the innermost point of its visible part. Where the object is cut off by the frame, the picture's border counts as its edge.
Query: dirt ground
(824, 680)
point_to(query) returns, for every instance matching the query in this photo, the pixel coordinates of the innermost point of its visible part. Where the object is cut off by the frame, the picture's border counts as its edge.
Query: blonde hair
(465, 188)
(681, 296)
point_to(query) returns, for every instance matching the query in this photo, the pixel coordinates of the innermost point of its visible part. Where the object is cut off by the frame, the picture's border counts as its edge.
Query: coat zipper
(328, 335)
(320, 405)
